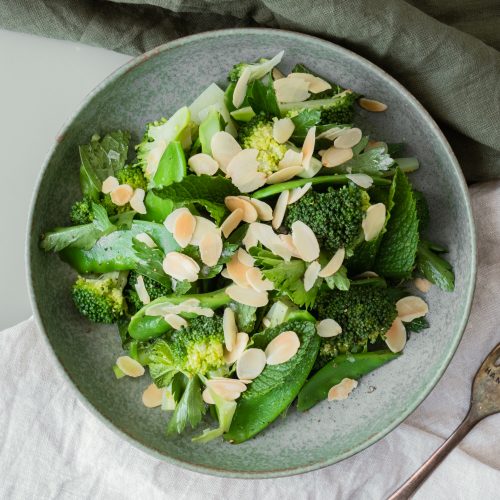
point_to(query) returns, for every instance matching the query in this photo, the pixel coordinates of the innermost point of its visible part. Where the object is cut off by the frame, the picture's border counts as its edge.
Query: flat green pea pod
(277, 386)
(115, 252)
(353, 366)
(144, 326)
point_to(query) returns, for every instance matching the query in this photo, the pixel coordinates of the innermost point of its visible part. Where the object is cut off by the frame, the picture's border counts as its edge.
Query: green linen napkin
(445, 52)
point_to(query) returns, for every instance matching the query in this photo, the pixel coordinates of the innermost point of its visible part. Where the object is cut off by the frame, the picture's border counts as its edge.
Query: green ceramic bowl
(155, 85)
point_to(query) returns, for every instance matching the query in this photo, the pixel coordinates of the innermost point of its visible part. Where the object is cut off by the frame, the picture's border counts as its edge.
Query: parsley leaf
(149, 262)
(375, 161)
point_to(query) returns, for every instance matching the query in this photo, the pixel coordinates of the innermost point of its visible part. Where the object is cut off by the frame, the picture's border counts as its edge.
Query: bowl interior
(156, 85)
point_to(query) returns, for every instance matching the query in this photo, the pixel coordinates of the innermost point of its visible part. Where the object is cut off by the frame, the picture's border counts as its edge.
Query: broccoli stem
(323, 179)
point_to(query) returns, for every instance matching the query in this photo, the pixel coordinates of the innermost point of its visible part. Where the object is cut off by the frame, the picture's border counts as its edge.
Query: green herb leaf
(306, 119)
(262, 98)
(336, 89)
(246, 316)
(417, 325)
(161, 363)
(434, 268)
(339, 280)
(375, 161)
(149, 262)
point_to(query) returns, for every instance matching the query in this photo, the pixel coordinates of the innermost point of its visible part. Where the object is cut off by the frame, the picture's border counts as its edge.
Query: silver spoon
(485, 401)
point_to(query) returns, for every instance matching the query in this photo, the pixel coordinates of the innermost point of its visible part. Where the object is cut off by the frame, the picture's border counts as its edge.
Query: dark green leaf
(434, 268)
(246, 316)
(417, 325)
(306, 119)
(149, 262)
(262, 98)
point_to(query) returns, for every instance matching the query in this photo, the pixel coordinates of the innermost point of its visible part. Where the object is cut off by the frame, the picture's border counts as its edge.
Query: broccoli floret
(258, 134)
(334, 216)
(364, 312)
(258, 69)
(101, 300)
(81, 211)
(155, 290)
(133, 176)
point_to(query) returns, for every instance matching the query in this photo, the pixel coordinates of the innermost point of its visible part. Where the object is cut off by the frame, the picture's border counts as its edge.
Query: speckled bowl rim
(172, 45)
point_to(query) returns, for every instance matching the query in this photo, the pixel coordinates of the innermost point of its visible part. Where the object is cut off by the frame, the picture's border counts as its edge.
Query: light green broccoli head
(81, 211)
(133, 176)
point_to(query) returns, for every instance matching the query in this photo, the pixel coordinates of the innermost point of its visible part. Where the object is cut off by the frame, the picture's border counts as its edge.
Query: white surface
(51, 447)
(42, 81)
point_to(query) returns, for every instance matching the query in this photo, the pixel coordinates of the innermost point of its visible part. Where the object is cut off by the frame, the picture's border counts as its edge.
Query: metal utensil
(485, 401)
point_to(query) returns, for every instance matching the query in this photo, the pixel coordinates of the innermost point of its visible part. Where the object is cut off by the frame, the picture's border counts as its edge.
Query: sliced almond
(181, 267)
(316, 84)
(283, 175)
(228, 389)
(184, 227)
(291, 158)
(332, 133)
(422, 284)
(230, 328)
(169, 308)
(334, 264)
(140, 288)
(238, 348)
(277, 74)
(237, 271)
(130, 367)
(376, 144)
(328, 328)
(224, 148)
(291, 90)
(249, 211)
(308, 148)
(175, 321)
(288, 242)
(297, 193)
(211, 248)
(361, 180)
(410, 308)
(121, 195)
(257, 282)
(240, 88)
(258, 180)
(264, 211)
(271, 240)
(203, 226)
(348, 139)
(202, 163)
(305, 241)
(372, 105)
(207, 397)
(283, 130)
(109, 184)
(366, 274)
(280, 209)
(374, 221)
(282, 348)
(334, 157)
(152, 396)
(231, 222)
(250, 240)
(311, 275)
(342, 390)
(250, 364)
(154, 156)
(137, 201)
(245, 258)
(395, 338)
(243, 165)
(169, 222)
(146, 239)
(247, 296)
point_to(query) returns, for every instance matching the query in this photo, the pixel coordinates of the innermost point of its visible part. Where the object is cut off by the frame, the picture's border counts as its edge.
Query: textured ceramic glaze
(155, 85)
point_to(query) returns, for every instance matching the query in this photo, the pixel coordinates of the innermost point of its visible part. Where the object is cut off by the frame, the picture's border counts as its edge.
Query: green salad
(254, 249)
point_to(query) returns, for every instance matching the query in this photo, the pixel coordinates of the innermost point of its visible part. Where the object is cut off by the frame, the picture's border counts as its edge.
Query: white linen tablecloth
(52, 447)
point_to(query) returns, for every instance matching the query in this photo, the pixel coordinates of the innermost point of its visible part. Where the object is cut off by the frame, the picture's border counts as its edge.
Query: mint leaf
(149, 262)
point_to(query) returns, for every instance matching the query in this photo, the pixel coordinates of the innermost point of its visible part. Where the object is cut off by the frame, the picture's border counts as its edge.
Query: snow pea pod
(353, 366)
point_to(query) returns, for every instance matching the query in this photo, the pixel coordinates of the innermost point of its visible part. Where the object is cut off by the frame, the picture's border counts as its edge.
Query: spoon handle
(406, 490)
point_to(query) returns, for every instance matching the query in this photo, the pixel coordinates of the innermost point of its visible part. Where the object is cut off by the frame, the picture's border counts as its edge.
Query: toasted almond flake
(109, 184)
(395, 338)
(311, 275)
(169, 222)
(154, 157)
(288, 242)
(361, 180)
(240, 88)
(333, 157)
(264, 211)
(423, 284)
(410, 308)
(249, 211)
(376, 144)
(211, 248)
(238, 348)
(266, 322)
(202, 163)
(137, 201)
(308, 148)
(181, 267)
(328, 328)
(231, 222)
(250, 364)
(225, 274)
(283, 130)
(257, 282)
(245, 258)
(291, 89)
(250, 240)
(280, 209)
(277, 74)
(200, 311)
(140, 288)
(129, 366)
(228, 389)
(169, 308)
(258, 181)
(184, 227)
(297, 193)
(203, 226)
(366, 274)
(305, 241)
(334, 264)
(152, 396)
(245, 381)
(224, 148)
(237, 271)
(243, 166)
(282, 348)
(332, 133)
(291, 158)
(121, 195)
(175, 321)
(271, 240)
(342, 390)
(207, 397)
(316, 84)
(146, 239)
(230, 328)
(348, 139)
(372, 105)
(374, 221)
(247, 296)
(284, 174)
